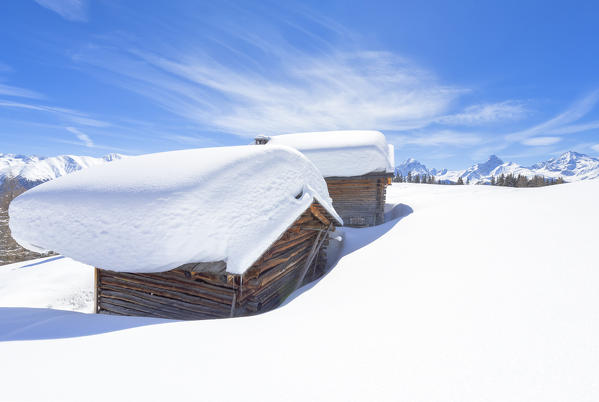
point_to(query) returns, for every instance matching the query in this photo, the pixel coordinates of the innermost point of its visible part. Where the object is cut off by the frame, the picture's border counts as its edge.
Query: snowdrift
(489, 293)
(155, 212)
(342, 153)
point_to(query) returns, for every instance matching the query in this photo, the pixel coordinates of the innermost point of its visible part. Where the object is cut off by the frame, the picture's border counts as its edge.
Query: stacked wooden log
(206, 290)
(359, 200)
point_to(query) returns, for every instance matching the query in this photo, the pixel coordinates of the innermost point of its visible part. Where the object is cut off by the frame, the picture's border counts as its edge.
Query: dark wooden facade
(360, 200)
(206, 290)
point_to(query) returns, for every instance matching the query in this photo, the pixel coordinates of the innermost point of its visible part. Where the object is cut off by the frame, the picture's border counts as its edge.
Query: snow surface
(472, 293)
(54, 282)
(155, 212)
(342, 153)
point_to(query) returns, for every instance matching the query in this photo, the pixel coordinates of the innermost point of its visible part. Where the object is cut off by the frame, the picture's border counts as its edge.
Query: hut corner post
(315, 250)
(96, 292)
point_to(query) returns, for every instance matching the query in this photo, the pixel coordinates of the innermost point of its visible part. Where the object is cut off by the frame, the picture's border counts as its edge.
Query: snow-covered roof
(342, 153)
(155, 212)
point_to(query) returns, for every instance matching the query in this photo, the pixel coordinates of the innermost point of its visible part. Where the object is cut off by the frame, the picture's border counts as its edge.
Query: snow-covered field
(473, 293)
(53, 282)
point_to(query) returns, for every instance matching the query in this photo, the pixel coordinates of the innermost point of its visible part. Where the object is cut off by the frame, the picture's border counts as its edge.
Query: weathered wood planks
(359, 200)
(205, 290)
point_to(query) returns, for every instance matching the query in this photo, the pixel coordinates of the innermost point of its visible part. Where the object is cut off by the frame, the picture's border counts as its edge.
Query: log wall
(359, 200)
(205, 290)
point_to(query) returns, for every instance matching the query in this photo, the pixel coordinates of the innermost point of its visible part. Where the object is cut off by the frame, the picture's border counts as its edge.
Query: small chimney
(261, 139)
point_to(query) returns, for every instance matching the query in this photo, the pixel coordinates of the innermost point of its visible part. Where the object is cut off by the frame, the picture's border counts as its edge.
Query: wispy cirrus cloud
(545, 134)
(541, 141)
(259, 82)
(8, 90)
(574, 128)
(62, 113)
(437, 138)
(487, 113)
(72, 10)
(561, 124)
(240, 80)
(84, 138)
(309, 92)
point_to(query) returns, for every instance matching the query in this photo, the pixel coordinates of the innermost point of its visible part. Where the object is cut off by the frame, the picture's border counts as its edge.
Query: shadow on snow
(43, 262)
(23, 323)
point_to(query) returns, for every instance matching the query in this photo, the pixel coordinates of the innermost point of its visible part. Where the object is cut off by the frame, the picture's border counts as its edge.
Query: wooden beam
(317, 244)
(319, 215)
(96, 293)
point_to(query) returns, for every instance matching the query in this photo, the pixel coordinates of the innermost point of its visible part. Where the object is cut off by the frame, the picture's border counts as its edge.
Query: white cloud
(84, 138)
(96, 146)
(72, 10)
(198, 141)
(595, 147)
(486, 113)
(42, 108)
(8, 90)
(86, 121)
(306, 93)
(574, 113)
(442, 137)
(71, 115)
(575, 128)
(541, 141)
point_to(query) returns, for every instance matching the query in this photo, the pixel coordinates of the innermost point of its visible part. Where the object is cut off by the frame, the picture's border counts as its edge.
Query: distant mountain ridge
(19, 173)
(32, 170)
(571, 166)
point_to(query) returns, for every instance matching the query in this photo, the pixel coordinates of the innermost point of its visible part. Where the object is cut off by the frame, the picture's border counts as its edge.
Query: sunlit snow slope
(480, 293)
(53, 282)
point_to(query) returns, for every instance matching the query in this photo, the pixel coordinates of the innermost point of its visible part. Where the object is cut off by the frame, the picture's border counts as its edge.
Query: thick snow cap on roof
(155, 212)
(342, 153)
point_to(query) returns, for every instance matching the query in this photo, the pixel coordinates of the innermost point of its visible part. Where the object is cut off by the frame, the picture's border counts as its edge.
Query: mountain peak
(495, 159)
(484, 169)
(571, 155)
(412, 166)
(112, 157)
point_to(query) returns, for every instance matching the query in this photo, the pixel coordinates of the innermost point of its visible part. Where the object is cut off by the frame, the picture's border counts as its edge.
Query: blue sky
(449, 83)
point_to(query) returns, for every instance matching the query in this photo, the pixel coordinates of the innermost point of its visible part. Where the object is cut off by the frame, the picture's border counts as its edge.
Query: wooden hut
(357, 167)
(206, 290)
(205, 233)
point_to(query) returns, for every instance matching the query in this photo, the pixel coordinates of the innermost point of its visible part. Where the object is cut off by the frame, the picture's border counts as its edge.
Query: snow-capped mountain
(571, 166)
(413, 166)
(32, 170)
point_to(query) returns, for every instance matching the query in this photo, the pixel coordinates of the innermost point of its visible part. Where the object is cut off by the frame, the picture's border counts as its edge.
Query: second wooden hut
(357, 166)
